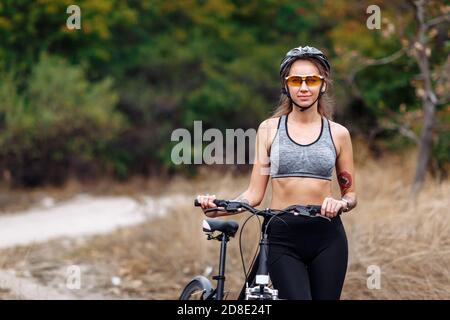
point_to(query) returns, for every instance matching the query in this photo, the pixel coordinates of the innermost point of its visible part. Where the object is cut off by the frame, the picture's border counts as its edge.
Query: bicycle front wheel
(198, 289)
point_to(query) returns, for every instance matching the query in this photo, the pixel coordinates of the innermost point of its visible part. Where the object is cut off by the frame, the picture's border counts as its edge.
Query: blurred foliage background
(105, 99)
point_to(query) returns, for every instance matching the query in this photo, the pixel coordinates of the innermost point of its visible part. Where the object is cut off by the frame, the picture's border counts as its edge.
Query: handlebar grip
(217, 202)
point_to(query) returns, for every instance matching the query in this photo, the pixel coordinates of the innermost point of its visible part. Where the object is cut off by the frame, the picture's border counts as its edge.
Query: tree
(421, 51)
(408, 41)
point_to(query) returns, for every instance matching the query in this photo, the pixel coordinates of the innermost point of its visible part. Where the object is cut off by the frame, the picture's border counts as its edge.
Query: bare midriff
(288, 191)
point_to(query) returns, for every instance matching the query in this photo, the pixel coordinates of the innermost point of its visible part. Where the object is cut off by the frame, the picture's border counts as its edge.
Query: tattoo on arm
(344, 180)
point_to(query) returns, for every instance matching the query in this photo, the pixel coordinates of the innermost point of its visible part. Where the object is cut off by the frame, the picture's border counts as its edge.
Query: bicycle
(200, 288)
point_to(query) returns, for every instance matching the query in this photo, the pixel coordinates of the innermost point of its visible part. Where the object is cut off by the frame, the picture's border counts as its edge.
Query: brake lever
(233, 206)
(214, 209)
(321, 216)
(309, 212)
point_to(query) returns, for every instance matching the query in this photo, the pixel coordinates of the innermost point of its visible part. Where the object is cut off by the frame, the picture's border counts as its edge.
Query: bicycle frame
(260, 290)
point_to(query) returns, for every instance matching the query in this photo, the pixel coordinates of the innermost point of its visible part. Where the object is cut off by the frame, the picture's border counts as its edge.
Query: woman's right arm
(258, 180)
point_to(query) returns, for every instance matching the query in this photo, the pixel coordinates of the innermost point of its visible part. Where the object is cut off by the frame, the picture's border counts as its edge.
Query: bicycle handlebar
(217, 202)
(233, 206)
(229, 206)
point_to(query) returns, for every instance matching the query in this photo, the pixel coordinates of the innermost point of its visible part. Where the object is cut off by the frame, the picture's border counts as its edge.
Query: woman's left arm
(345, 176)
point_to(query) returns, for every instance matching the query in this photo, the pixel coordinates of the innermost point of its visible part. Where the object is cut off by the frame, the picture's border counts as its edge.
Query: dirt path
(81, 216)
(28, 289)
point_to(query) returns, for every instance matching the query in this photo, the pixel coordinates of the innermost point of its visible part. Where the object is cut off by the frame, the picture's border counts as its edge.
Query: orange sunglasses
(297, 80)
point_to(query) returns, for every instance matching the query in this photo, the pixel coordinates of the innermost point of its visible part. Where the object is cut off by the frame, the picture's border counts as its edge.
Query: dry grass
(408, 241)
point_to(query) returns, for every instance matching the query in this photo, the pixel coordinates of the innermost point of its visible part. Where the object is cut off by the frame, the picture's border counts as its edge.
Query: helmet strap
(302, 109)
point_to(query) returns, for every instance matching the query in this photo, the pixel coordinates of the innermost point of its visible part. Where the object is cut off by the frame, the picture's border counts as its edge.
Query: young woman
(298, 148)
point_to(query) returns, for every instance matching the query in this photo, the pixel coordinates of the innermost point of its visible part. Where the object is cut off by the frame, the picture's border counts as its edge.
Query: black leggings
(308, 259)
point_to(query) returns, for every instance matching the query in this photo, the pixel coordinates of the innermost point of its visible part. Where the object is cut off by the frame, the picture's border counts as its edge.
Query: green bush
(59, 121)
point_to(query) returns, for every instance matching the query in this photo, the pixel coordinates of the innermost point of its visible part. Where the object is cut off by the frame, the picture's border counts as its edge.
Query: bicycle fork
(262, 275)
(261, 289)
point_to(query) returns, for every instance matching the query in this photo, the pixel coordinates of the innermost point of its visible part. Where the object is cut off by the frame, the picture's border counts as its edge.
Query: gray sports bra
(291, 159)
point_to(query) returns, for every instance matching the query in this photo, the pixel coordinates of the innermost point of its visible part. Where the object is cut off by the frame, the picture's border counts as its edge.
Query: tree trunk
(425, 144)
(428, 101)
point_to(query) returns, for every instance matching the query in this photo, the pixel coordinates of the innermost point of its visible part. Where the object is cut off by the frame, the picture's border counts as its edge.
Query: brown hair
(325, 103)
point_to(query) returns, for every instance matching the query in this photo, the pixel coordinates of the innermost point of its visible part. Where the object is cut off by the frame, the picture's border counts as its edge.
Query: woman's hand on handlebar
(206, 202)
(332, 207)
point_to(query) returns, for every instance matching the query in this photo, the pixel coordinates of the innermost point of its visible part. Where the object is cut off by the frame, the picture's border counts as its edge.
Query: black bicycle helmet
(304, 52)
